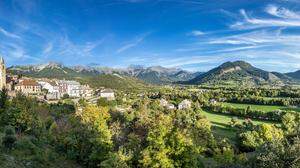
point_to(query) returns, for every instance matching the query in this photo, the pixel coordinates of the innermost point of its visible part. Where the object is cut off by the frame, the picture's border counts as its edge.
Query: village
(54, 90)
(49, 90)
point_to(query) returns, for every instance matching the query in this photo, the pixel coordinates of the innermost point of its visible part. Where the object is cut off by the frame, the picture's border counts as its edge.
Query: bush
(9, 138)
(25, 144)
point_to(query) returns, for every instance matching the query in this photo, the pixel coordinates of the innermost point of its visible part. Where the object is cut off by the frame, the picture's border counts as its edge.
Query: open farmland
(220, 123)
(265, 108)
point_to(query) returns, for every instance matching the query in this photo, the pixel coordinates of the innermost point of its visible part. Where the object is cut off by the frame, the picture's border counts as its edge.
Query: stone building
(108, 94)
(2, 74)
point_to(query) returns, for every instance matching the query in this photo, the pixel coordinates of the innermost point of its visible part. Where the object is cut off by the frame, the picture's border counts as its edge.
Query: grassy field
(220, 123)
(265, 108)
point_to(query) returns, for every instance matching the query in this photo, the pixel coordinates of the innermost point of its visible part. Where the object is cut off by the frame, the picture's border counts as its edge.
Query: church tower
(2, 74)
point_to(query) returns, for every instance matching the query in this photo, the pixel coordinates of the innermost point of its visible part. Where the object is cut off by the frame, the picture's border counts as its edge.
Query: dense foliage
(136, 131)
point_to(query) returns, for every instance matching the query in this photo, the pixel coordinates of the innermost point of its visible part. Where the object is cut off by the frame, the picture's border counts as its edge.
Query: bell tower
(2, 74)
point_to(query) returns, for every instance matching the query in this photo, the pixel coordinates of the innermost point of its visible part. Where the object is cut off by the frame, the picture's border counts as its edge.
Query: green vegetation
(114, 82)
(221, 124)
(94, 79)
(223, 120)
(135, 130)
(266, 108)
(240, 73)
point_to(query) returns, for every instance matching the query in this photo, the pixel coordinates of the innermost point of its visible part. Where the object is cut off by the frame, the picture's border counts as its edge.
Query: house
(28, 86)
(170, 106)
(163, 102)
(86, 91)
(62, 87)
(51, 86)
(185, 104)
(213, 101)
(72, 88)
(166, 104)
(108, 94)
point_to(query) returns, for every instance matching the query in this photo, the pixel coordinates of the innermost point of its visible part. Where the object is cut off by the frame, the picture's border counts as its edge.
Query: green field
(220, 124)
(265, 108)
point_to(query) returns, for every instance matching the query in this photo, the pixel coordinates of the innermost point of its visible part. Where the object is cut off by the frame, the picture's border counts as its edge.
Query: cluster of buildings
(48, 89)
(51, 89)
(185, 104)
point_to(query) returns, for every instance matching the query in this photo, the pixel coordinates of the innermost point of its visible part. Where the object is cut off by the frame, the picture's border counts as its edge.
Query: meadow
(266, 108)
(221, 127)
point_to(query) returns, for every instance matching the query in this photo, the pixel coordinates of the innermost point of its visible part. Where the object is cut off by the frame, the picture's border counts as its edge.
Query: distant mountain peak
(239, 72)
(132, 66)
(243, 64)
(49, 65)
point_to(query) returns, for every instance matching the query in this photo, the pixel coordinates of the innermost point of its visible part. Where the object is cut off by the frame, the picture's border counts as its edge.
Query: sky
(195, 35)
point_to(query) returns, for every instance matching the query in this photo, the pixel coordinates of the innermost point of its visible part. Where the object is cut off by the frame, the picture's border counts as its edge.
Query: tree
(275, 154)
(156, 154)
(96, 118)
(291, 123)
(3, 99)
(9, 138)
(263, 133)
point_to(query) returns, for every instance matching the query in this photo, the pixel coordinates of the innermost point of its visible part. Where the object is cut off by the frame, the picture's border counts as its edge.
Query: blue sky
(190, 34)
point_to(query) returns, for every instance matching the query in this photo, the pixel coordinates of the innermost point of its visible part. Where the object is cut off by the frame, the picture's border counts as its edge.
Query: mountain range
(153, 75)
(239, 72)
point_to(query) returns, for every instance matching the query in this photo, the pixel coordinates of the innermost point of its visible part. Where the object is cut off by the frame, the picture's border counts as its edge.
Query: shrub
(9, 138)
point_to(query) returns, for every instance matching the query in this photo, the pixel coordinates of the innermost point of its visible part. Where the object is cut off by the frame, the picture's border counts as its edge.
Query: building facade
(28, 86)
(108, 94)
(2, 74)
(51, 86)
(185, 104)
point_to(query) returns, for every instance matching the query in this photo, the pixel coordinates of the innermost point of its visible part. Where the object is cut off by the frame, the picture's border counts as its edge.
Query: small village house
(185, 104)
(28, 86)
(108, 94)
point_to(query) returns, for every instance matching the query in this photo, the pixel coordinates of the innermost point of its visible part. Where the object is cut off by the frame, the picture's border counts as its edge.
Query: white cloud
(8, 34)
(281, 12)
(259, 37)
(196, 33)
(132, 44)
(16, 51)
(48, 48)
(285, 18)
(64, 47)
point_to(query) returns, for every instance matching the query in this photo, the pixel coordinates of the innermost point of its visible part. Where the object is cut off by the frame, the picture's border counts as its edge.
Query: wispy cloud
(69, 50)
(16, 51)
(133, 43)
(284, 18)
(196, 33)
(9, 34)
(48, 48)
(281, 12)
(260, 37)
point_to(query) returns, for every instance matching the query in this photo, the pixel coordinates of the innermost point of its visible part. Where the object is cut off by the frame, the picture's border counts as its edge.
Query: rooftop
(28, 82)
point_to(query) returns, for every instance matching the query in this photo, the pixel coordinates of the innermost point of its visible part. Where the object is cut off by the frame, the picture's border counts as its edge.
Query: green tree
(9, 138)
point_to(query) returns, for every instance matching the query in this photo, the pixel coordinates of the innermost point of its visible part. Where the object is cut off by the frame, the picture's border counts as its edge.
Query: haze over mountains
(230, 72)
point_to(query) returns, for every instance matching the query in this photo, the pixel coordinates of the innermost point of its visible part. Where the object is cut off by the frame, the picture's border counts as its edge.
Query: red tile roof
(28, 82)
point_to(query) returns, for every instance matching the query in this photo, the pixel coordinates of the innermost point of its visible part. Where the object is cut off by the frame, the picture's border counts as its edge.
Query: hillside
(91, 77)
(113, 81)
(295, 75)
(239, 72)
